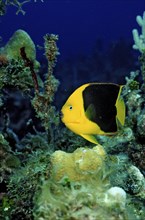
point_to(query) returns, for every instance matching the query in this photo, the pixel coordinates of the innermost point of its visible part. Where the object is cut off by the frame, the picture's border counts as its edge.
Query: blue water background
(77, 22)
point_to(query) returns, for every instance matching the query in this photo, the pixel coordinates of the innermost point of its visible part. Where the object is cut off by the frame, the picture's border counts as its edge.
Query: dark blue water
(77, 22)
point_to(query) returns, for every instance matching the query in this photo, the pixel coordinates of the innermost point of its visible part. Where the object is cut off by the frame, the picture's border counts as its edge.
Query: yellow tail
(120, 105)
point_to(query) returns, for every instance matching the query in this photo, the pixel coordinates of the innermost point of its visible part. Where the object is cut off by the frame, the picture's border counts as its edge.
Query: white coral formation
(115, 195)
(139, 40)
(137, 182)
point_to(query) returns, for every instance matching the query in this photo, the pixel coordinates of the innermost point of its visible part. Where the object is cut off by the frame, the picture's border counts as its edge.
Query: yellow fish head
(72, 110)
(71, 113)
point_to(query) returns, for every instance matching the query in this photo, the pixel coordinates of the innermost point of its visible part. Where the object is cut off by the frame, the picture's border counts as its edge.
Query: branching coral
(29, 63)
(43, 100)
(16, 3)
(139, 40)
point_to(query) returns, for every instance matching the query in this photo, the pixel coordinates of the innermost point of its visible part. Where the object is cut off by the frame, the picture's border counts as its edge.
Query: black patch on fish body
(99, 105)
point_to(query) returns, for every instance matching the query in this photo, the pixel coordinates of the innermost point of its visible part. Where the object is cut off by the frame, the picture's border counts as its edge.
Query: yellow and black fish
(94, 109)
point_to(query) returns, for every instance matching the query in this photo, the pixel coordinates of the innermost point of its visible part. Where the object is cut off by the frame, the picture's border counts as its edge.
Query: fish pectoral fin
(90, 138)
(90, 112)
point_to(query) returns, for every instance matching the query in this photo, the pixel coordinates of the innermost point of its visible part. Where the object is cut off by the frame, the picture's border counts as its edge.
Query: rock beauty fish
(94, 109)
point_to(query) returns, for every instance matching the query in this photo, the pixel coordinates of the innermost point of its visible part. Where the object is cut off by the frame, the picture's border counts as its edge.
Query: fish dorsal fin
(120, 105)
(90, 138)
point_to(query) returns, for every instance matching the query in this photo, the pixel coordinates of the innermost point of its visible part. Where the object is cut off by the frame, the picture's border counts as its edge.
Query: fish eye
(70, 107)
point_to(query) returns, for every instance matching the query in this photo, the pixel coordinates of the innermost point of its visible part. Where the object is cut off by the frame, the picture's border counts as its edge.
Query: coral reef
(79, 165)
(13, 70)
(47, 172)
(42, 101)
(18, 75)
(83, 200)
(139, 40)
(11, 52)
(19, 39)
(8, 160)
(25, 182)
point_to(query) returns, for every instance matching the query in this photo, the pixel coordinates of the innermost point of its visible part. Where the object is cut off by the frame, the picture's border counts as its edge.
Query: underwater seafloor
(46, 171)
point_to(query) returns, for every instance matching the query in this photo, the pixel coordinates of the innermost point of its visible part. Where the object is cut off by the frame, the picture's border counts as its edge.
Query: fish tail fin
(120, 105)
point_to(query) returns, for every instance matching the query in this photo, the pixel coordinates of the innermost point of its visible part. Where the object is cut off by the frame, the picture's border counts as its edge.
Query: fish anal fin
(90, 138)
